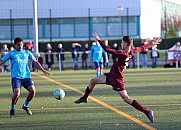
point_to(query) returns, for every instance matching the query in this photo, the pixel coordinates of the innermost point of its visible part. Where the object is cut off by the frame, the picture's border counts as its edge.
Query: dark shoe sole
(81, 101)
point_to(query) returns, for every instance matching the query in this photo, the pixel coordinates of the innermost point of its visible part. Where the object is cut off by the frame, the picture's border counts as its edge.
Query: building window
(114, 19)
(99, 19)
(66, 20)
(53, 21)
(81, 20)
(20, 21)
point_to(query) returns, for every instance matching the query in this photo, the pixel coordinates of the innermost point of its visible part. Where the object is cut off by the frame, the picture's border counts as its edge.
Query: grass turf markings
(100, 102)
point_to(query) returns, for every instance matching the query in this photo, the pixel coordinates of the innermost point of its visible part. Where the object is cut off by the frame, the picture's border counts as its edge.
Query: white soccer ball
(59, 94)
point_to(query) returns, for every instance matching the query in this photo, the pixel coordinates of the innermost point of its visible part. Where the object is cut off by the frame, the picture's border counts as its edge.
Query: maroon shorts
(116, 83)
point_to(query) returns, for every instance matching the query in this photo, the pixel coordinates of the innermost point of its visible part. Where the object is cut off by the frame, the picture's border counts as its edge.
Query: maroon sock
(139, 107)
(87, 93)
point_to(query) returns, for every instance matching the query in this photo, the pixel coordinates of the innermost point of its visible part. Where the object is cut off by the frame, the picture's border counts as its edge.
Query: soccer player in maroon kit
(115, 77)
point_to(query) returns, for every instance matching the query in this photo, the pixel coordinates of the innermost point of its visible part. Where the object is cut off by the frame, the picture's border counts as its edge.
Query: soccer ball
(59, 94)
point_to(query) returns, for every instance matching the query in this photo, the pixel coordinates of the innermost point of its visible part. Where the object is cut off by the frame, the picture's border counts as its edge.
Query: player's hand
(96, 36)
(47, 73)
(157, 40)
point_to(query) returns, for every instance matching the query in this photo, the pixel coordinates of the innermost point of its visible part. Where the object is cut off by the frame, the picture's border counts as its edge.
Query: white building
(78, 19)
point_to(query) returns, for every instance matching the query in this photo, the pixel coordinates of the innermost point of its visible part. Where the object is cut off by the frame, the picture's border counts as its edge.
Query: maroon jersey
(115, 76)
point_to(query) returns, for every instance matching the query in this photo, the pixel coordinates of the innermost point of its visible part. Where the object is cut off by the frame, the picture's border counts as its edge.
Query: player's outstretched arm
(156, 40)
(107, 49)
(41, 68)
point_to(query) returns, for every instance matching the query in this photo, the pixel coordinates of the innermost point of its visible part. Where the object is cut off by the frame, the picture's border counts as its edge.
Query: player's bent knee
(16, 93)
(32, 92)
(31, 89)
(92, 82)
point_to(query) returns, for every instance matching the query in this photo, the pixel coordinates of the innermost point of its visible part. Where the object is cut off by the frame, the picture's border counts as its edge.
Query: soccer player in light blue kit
(96, 56)
(20, 74)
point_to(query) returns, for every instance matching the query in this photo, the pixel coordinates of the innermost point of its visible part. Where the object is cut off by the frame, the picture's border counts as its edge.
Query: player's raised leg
(98, 80)
(136, 105)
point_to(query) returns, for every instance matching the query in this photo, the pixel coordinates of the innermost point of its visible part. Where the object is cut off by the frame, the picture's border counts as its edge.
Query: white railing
(161, 61)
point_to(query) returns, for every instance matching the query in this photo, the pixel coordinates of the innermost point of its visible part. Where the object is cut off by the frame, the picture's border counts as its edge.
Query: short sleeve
(6, 57)
(31, 56)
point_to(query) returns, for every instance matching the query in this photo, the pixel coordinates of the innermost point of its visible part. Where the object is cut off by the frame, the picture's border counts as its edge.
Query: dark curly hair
(18, 39)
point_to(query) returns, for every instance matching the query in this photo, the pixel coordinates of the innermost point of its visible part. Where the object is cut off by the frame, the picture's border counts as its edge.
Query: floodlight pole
(89, 18)
(11, 26)
(165, 18)
(127, 19)
(35, 27)
(120, 8)
(50, 25)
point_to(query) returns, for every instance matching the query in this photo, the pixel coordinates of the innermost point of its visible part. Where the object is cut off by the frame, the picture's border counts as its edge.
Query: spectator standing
(178, 48)
(115, 47)
(11, 48)
(40, 60)
(85, 53)
(133, 61)
(154, 55)
(3, 52)
(143, 55)
(75, 55)
(106, 61)
(60, 56)
(49, 56)
(96, 56)
(174, 56)
(29, 46)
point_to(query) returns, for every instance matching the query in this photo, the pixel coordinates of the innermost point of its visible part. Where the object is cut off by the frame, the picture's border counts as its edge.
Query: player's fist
(157, 40)
(96, 36)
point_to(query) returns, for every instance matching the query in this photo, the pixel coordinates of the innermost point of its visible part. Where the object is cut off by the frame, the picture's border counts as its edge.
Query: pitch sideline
(100, 102)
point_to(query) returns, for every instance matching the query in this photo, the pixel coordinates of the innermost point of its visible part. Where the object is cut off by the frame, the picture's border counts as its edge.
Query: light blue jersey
(19, 63)
(96, 54)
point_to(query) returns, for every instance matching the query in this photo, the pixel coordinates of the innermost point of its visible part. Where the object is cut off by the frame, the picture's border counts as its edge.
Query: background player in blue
(20, 74)
(96, 56)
